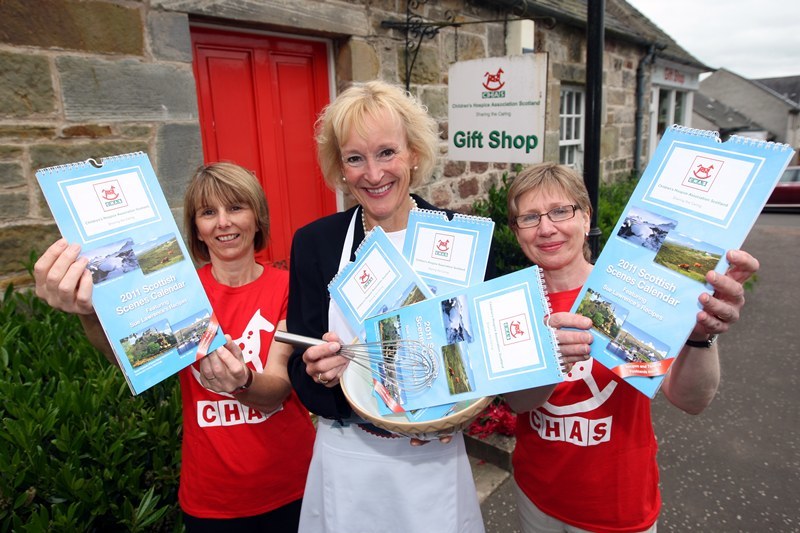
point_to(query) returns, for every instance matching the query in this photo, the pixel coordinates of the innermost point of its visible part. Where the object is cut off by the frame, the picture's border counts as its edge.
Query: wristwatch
(708, 343)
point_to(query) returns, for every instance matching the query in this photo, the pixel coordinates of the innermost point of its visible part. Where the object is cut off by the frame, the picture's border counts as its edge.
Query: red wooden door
(259, 96)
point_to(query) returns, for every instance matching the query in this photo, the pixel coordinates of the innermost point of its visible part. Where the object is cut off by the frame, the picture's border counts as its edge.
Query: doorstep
(495, 449)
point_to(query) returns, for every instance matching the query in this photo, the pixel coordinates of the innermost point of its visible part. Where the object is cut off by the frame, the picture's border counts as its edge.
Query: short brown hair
(230, 184)
(550, 177)
(354, 106)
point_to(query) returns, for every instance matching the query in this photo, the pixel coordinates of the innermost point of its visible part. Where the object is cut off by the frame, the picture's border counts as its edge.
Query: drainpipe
(640, 69)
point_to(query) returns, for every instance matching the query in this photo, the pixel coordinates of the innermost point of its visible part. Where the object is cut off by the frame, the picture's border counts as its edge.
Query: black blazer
(316, 251)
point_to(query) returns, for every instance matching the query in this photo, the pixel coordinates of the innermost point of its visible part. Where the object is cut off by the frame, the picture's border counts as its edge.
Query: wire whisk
(403, 366)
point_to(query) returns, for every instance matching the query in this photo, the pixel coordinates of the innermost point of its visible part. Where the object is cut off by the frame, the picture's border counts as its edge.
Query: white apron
(359, 482)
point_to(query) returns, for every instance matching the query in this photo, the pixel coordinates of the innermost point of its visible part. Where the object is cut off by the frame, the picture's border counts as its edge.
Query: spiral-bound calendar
(487, 339)
(449, 254)
(146, 292)
(697, 199)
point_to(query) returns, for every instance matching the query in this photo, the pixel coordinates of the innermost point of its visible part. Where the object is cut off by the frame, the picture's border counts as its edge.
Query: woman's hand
(62, 279)
(444, 439)
(323, 362)
(224, 369)
(575, 346)
(723, 308)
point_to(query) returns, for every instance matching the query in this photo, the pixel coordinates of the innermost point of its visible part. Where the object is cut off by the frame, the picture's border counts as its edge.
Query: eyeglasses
(381, 158)
(557, 214)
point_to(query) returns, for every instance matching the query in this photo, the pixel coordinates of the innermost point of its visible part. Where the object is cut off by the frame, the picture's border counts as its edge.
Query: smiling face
(227, 230)
(377, 166)
(554, 246)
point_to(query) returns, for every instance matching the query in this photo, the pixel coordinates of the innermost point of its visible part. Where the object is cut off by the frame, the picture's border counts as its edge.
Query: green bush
(508, 256)
(611, 200)
(79, 452)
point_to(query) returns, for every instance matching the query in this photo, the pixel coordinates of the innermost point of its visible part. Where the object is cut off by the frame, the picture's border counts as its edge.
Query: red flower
(496, 418)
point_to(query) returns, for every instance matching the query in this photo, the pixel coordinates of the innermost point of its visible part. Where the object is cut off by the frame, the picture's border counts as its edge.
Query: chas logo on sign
(110, 195)
(702, 173)
(494, 85)
(515, 329)
(442, 246)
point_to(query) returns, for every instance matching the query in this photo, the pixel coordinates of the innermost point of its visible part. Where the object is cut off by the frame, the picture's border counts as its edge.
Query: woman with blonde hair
(376, 142)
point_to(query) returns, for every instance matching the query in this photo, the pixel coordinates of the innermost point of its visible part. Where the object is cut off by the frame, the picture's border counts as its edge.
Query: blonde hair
(230, 184)
(364, 101)
(552, 178)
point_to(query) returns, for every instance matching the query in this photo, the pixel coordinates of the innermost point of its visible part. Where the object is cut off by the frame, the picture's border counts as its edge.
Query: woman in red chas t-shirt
(585, 456)
(247, 440)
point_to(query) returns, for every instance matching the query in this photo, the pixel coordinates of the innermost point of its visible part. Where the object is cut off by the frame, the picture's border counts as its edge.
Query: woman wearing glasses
(374, 142)
(585, 456)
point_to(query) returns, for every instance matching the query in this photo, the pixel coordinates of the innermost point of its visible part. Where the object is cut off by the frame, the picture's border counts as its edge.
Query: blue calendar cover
(379, 280)
(448, 254)
(697, 199)
(146, 292)
(487, 339)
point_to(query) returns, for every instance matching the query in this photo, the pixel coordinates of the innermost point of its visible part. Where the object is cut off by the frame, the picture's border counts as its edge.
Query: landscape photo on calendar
(111, 261)
(645, 228)
(607, 316)
(633, 345)
(688, 256)
(158, 253)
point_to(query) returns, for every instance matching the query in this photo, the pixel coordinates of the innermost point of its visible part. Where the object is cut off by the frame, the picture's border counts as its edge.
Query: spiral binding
(693, 131)
(738, 139)
(67, 167)
(758, 143)
(548, 311)
(439, 215)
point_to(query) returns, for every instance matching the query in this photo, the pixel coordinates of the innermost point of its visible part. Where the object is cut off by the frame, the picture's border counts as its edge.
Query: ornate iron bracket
(416, 29)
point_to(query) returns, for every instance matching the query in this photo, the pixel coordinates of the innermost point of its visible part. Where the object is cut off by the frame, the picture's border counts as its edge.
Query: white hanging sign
(497, 109)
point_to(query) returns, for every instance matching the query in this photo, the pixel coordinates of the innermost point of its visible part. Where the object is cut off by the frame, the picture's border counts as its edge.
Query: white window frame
(570, 136)
(670, 98)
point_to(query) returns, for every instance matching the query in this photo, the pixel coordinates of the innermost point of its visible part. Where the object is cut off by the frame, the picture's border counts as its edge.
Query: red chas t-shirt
(238, 461)
(588, 456)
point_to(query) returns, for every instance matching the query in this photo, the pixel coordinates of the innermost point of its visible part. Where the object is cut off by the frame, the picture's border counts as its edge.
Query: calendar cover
(697, 199)
(146, 292)
(487, 339)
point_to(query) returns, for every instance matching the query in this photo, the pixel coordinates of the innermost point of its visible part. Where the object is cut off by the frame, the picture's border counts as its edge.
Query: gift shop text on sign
(497, 109)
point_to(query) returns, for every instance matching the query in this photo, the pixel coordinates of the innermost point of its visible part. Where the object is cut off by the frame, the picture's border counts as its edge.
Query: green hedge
(79, 452)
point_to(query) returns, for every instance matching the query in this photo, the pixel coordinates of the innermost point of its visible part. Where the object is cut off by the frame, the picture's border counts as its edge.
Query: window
(671, 109)
(570, 142)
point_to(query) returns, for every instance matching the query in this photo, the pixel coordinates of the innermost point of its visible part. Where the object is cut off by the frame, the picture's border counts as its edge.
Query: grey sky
(753, 38)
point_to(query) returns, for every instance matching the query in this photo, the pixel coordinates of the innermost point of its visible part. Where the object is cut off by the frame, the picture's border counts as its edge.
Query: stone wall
(81, 80)
(89, 78)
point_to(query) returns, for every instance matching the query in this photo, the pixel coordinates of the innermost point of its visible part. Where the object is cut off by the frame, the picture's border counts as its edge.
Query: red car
(786, 195)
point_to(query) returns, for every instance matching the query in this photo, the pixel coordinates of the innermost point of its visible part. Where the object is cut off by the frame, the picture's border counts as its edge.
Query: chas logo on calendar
(443, 246)
(515, 329)
(364, 278)
(702, 173)
(110, 195)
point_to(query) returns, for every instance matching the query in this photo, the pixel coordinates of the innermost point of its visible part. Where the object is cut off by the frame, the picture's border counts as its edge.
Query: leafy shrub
(611, 201)
(80, 453)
